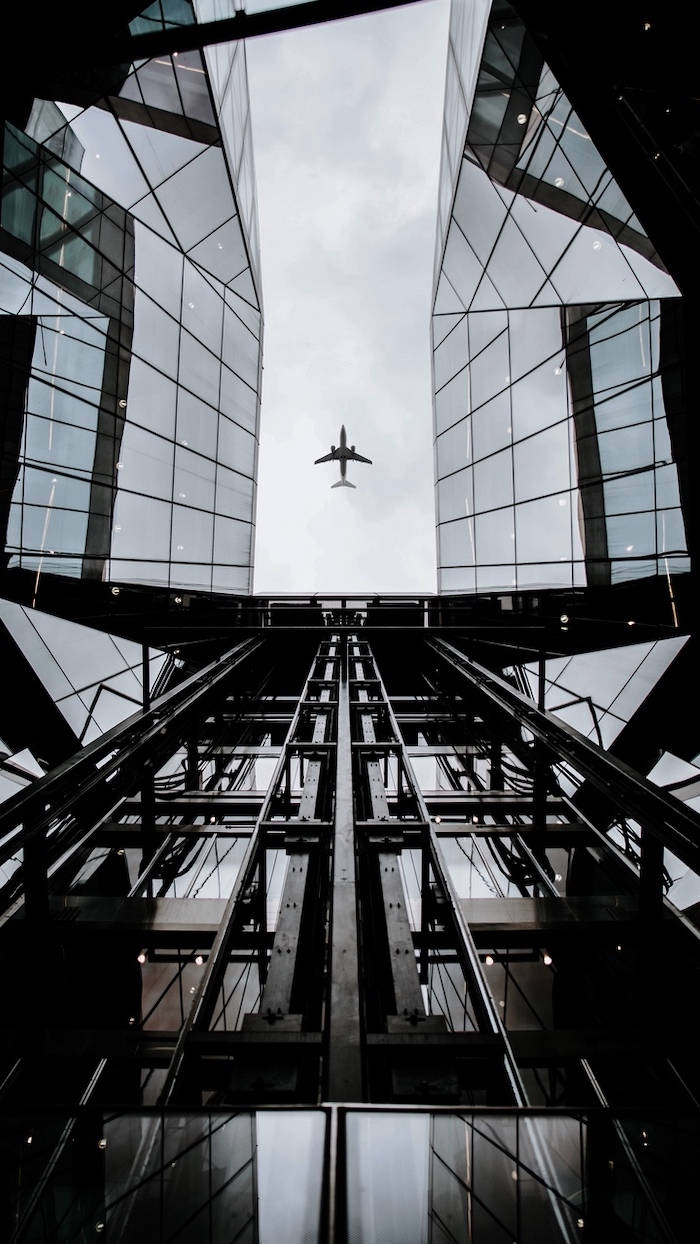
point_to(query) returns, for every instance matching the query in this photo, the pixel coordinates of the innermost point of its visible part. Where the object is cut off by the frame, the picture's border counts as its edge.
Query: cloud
(346, 126)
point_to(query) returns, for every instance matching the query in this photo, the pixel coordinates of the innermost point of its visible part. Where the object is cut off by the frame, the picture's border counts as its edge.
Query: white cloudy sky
(346, 121)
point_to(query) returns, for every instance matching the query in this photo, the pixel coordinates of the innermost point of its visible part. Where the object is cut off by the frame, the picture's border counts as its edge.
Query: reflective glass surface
(131, 322)
(556, 365)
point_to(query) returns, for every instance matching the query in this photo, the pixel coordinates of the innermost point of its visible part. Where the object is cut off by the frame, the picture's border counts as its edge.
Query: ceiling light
(142, 957)
(115, 591)
(647, 25)
(514, 1176)
(191, 988)
(579, 1222)
(557, 877)
(437, 819)
(564, 619)
(489, 961)
(180, 548)
(629, 548)
(97, 155)
(191, 306)
(122, 402)
(102, 1143)
(220, 246)
(199, 960)
(597, 244)
(630, 623)
(120, 465)
(522, 118)
(501, 1003)
(546, 959)
(557, 371)
(559, 181)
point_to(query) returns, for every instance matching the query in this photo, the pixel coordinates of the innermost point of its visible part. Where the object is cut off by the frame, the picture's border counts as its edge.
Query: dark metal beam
(344, 1080)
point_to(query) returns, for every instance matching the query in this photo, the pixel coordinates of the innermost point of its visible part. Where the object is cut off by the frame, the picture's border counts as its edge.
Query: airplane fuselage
(342, 455)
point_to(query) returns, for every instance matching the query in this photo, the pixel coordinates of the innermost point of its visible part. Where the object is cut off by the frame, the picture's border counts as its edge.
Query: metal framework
(345, 865)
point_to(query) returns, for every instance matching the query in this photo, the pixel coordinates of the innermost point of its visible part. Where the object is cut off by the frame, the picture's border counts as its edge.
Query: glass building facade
(131, 330)
(556, 364)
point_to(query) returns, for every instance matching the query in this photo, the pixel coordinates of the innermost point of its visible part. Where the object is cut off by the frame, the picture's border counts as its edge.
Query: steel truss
(330, 868)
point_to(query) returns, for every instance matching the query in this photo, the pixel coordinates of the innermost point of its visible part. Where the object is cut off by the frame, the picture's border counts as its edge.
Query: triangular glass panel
(443, 324)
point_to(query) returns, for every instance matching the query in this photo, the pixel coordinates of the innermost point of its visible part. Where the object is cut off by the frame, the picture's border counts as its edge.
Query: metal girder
(344, 1079)
(204, 1001)
(674, 824)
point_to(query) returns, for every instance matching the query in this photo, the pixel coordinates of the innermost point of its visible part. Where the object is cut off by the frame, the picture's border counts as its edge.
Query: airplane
(343, 455)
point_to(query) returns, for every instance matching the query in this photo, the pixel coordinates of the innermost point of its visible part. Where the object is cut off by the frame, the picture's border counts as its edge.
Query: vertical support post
(344, 1076)
(539, 791)
(145, 676)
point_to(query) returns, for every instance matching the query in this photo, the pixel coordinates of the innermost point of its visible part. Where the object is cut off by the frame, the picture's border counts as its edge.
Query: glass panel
(387, 1177)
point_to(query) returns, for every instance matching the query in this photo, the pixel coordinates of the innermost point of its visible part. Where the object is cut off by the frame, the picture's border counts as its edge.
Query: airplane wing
(358, 457)
(326, 458)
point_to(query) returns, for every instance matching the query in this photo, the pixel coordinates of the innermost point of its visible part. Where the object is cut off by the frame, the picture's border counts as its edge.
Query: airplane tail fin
(343, 483)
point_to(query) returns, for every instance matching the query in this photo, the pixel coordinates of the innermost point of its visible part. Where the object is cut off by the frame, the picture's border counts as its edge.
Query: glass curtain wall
(556, 364)
(132, 325)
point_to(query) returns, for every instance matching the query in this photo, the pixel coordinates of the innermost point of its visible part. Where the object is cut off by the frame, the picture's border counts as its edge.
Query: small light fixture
(180, 548)
(557, 877)
(514, 1176)
(98, 156)
(501, 1002)
(579, 1222)
(120, 465)
(564, 619)
(212, 820)
(178, 600)
(122, 402)
(629, 548)
(219, 245)
(559, 182)
(29, 1140)
(99, 1227)
(562, 501)
(630, 623)
(522, 118)
(184, 443)
(618, 948)
(647, 25)
(199, 960)
(115, 591)
(489, 961)
(132, 1019)
(597, 244)
(142, 957)
(191, 988)
(191, 306)
(547, 959)
(102, 1143)
(437, 819)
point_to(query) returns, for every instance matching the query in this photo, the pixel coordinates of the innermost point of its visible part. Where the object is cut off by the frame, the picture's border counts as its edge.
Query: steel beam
(344, 1078)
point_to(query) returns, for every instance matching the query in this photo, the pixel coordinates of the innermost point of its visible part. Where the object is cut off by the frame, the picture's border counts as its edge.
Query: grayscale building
(132, 326)
(351, 920)
(557, 368)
